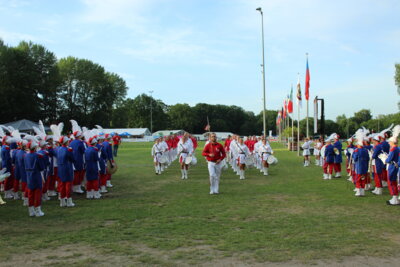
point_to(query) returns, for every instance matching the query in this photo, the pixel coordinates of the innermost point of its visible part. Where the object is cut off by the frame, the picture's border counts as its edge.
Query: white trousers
(214, 170)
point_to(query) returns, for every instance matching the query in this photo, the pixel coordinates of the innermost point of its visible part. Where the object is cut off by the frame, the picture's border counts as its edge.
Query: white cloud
(16, 37)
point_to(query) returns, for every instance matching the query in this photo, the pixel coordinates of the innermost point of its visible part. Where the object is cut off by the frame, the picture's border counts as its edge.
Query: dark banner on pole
(315, 115)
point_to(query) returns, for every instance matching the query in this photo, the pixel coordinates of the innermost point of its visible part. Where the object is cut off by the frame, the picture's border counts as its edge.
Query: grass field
(292, 215)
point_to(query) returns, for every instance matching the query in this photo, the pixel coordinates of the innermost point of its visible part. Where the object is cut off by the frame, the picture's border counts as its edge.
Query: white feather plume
(56, 132)
(2, 133)
(75, 126)
(41, 127)
(360, 135)
(382, 133)
(99, 127)
(396, 131)
(17, 135)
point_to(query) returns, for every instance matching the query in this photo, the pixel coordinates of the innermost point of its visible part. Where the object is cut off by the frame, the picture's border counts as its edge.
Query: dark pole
(322, 118)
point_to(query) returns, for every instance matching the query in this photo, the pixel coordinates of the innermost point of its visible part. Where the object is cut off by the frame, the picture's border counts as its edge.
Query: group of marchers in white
(239, 154)
(38, 167)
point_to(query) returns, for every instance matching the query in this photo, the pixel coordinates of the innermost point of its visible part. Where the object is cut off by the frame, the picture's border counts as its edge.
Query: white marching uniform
(264, 151)
(233, 149)
(317, 148)
(306, 148)
(244, 152)
(185, 149)
(157, 151)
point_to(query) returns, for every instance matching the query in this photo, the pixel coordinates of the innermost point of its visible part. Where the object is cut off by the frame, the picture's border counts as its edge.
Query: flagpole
(292, 131)
(308, 136)
(298, 119)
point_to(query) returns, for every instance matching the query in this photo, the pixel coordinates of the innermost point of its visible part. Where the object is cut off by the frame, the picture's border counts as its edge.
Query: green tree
(181, 116)
(362, 116)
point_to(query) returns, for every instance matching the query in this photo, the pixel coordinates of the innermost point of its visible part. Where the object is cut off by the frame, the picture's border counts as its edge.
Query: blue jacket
(329, 154)
(92, 160)
(78, 150)
(6, 158)
(393, 158)
(46, 162)
(361, 160)
(33, 167)
(102, 159)
(348, 155)
(20, 173)
(108, 149)
(65, 160)
(379, 166)
(338, 146)
(385, 146)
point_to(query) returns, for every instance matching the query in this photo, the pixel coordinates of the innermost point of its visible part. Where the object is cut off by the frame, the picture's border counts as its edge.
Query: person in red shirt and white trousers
(214, 153)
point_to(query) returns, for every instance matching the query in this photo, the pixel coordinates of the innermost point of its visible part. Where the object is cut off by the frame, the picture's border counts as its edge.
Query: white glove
(383, 157)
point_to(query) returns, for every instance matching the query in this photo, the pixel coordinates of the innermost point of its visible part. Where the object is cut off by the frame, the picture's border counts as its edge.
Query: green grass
(292, 214)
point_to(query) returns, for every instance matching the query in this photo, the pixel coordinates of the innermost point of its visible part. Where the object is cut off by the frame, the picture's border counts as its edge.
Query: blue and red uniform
(92, 168)
(393, 170)
(20, 173)
(361, 160)
(78, 151)
(34, 166)
(379, 166)
(65, 170)
(6, 162)
(329, 158)
(338, 157)
(102, 164)
(108, 150)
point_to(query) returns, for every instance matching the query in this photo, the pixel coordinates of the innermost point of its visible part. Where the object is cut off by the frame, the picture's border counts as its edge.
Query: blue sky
(209, 51)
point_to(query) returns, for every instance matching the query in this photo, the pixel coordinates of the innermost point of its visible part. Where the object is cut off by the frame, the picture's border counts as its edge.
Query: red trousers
(65, 189)
(45, 186)
(360, 180)
(393, 190)
(337, 167)
(329, 167)
(24, 188)
(378, 178)
(103, 179)
(52, 180)
(108, 175)
(92, 185)
(78, 177)
(35, 197)
(348, 170)
(385, 175)
(9, 182)
(16, 186)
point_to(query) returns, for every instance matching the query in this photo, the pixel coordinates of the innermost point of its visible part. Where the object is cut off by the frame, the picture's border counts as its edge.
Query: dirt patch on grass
(136, 255)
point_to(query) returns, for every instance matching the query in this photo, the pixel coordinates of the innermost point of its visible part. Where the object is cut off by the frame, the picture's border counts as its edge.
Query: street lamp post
(263, 69)
(151, 111)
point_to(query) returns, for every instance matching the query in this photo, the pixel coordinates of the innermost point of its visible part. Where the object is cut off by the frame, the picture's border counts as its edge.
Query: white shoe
(211, 193)
(367, 187)
(8, 194)
(325, 176)
(329, 176)
(89, 195)
(25, 201)
(358, 192)
(31, 211)
(378, 191)
(350, 179)
(70, 203)
(103, 189)
(79, 190)
(338, 174)
(39, 212)
(97, 194)
(393, 201)
(362, 192)
(16, 195)
(374, 191)
(109, 184)
(63, 202)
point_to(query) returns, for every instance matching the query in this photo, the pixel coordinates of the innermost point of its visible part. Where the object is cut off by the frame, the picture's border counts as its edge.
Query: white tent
(129, 132)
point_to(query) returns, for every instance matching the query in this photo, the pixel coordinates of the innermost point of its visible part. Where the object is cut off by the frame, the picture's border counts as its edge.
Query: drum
(163, 159)
(194, 161)
(188, 159)
(249, 160)
(111, 168)
(272, 160)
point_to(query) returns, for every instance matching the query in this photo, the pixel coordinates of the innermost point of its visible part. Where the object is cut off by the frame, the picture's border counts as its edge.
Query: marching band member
(46, 164)
(317, 150)
(393, 169)
(329, 158)
(385, 147)
(185, 149)
(244, 152)
(361, 160)
(65, 159)
(306, 152)
(156, 153)
(20, 173)
(369, 148)
(338, 156)
(33, 167)
(264, 151)
(92, 169)
(6, 162)
(78, 151)
(378, 165)
(214, 153)
(108, 149)
(233, 148)
(349, 151)
(102, 164)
